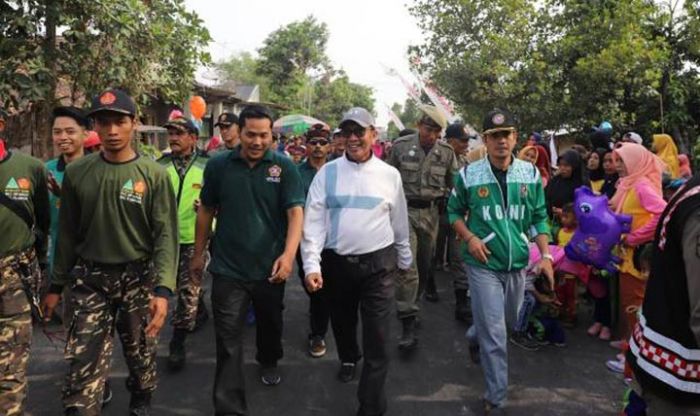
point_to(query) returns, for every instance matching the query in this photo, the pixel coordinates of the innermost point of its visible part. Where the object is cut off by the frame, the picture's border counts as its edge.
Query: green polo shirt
(252, 203)
(307, 173)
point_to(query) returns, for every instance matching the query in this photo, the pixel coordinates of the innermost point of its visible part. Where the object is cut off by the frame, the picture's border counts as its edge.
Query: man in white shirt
(356, 224)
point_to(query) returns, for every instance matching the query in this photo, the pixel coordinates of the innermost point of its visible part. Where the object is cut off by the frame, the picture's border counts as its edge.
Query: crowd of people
(366, 224)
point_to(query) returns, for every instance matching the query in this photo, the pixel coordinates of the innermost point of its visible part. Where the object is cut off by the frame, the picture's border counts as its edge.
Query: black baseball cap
(226, 119)
(182, 124)
(499, 120)
(77, 114)
(114, 100)
(456, 131)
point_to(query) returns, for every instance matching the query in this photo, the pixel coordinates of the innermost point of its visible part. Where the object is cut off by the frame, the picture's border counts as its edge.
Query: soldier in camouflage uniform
(186, 170)
(24, 210)
(117, 248)
(458, 138)
(426, 165)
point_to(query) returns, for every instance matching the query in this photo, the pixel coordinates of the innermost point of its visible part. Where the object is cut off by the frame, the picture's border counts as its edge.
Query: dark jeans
(602, 310)
(367, 282)
(230, 299)
(319, 311)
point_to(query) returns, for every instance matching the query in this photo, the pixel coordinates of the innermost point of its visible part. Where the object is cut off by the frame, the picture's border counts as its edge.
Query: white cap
(633, 137)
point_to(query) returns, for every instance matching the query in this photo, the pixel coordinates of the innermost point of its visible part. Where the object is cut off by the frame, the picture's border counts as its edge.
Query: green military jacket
(424, 177)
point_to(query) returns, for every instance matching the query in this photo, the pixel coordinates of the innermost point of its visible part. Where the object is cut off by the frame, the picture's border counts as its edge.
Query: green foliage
(567, 63)
(293, 70)
(146, 47)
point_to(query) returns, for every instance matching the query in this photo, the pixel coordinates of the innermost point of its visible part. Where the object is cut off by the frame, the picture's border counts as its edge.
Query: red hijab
(542, 163)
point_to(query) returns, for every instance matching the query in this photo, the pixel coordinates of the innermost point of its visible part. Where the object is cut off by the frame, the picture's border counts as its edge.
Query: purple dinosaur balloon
(599, 230)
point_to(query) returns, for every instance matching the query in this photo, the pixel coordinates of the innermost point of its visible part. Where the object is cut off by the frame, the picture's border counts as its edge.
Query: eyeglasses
(357, 130)
(317, 142)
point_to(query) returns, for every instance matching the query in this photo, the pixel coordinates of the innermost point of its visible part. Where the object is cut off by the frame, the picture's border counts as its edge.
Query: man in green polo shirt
(24, 209)
(258, 198)
(186, 170)
(117, 248)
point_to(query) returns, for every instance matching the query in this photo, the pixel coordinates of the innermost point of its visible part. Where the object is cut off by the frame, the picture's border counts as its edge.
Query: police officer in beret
(426, 166)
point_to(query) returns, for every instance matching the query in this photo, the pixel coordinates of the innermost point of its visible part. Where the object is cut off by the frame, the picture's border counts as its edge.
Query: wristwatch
(548, 257)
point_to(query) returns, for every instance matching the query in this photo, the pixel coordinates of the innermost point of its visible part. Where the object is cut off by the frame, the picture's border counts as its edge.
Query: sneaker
(595, 329)
(107, 394)
(521, 340)
(317, 346)
(616, 366)
(491, 409)
(605, 334)
(474, 354)
(347, 372)
(270, 376)
(140, 404)
(559, 344)
(431, 296)
(618, 344)
(140, 411)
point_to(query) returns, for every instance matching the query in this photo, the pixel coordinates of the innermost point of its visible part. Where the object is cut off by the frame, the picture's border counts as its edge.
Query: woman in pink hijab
(639, 195)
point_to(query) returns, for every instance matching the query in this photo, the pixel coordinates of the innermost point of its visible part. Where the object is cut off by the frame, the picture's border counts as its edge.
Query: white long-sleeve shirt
(353, 209)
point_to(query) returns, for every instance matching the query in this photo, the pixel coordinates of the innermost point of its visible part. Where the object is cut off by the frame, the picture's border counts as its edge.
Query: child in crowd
(566, 281)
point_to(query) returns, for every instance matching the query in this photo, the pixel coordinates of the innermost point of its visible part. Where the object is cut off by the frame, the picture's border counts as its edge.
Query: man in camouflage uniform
(117, 248)
(426, 165)
(458, 138)
(24, 213)
(186, 169)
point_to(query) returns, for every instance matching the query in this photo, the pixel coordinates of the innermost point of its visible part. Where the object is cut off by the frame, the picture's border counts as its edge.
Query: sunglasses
(317, 142)
(357, 130)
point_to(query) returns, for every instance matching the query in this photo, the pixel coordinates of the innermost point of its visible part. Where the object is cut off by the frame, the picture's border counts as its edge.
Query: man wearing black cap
(24, 217)
(502, 199)
(426, 165)
(117, 248)
(258, 197)
(458, 138)
(186, 170)
(228, 127)
(355, 240)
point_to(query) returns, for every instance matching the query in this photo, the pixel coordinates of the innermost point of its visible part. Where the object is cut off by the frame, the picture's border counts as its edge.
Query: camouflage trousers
(105, 297)
(15, 328)
(188, 291)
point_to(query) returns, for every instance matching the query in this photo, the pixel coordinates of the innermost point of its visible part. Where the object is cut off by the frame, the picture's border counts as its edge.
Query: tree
(331, 98)
(567, 64)
(290, 54)
(147, 47)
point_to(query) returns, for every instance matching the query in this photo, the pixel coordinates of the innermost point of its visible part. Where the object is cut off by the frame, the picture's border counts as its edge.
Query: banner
(395, 119)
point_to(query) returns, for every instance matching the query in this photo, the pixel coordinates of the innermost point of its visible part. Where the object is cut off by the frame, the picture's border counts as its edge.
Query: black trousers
(365, 282)
(230, 299)
(319, 311)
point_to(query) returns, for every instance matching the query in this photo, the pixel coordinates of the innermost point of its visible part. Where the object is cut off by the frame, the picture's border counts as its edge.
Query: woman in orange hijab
(666, 149)
(639, 195)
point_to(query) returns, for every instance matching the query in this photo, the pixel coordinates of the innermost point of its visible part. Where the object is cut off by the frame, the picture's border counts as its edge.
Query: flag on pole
(395, 119)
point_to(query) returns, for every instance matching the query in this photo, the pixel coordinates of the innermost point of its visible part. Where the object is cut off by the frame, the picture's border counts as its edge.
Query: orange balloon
(197, 107)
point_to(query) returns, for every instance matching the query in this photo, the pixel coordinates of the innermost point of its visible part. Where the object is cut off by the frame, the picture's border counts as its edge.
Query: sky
(364, 34)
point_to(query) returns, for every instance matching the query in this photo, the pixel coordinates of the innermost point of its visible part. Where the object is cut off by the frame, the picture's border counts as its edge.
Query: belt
(113, 266)
(363, 258)
(420, 204)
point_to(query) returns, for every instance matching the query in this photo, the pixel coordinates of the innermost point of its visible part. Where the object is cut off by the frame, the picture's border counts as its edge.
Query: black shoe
(347, 372)
(178, 356)
(431, 296)
(140, 404)
(270, 376)
(521, 340)
(72, 411)
(463, 311)
(107, 394)
(474, 354)
(408, 339)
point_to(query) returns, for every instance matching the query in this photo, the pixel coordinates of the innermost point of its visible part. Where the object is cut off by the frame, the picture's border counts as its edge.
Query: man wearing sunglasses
(356, 226)
(186, 170)
(318, 147)
(426, 167)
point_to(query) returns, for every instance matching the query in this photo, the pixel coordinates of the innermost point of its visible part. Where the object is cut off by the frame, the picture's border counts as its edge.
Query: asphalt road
(438, 379)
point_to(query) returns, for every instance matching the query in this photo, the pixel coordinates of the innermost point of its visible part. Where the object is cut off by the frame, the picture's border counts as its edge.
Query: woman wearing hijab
(611, 177)
(543, 164)
(528, 154)
(596, 173)
(639, 195)
(560, 190)
(666, 149)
